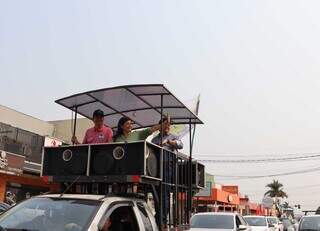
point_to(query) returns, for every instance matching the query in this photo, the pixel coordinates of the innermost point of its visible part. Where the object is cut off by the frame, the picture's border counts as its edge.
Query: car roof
(316, 215)
(88, 197)
(216, 213)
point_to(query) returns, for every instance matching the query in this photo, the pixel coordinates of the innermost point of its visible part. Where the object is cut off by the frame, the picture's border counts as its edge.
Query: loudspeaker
(198, 175)
(65, 161)
(138, 158)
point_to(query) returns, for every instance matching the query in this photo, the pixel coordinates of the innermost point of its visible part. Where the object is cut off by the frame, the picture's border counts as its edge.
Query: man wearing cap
(97, 134)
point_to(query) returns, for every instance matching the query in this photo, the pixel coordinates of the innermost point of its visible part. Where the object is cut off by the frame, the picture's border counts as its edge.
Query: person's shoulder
(157, 137)
(89, 130)
(106, 128)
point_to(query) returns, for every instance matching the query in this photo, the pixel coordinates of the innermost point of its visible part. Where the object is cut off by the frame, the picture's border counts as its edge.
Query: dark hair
(119, 131)
(98, 113)
(164, 119)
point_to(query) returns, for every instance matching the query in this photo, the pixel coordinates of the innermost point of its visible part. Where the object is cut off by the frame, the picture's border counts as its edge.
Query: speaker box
(139, 158)
(65, 161)
(198, 175)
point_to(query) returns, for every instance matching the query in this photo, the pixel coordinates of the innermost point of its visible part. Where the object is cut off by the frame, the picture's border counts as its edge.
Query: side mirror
(280, 223)
(242, 227)
(271, 225)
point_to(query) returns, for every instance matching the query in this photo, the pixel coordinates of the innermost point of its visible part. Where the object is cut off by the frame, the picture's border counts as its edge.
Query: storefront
(219, 200)
(15, 184)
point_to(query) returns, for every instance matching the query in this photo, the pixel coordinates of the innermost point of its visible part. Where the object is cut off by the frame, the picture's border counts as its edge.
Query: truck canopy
(143, 104)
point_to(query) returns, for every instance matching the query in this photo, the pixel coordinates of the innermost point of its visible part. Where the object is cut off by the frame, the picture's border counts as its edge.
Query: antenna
(69, 186)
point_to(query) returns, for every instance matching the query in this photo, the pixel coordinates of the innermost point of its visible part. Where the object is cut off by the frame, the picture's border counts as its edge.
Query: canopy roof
(141, 103)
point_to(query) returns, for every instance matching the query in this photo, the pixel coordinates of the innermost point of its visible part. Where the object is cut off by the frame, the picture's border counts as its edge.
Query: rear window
(212, 221)
(310, 223)
(273, 220)
(256, 221)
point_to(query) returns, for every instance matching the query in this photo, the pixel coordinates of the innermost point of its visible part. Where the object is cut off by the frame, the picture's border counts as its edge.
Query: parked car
(309, 223)
(218, 221)
(3, 207)
(287, 224)
(278, 226)
(259, 223)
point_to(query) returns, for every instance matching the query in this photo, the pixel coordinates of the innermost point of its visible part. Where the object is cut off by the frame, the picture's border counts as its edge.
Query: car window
(145, 217)
(310, 223)
(212, 221)
(256, 221)
(122, 217)
(286, 223)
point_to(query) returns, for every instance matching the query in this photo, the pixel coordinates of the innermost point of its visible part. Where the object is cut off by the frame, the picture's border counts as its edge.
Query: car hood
(259, 228)
(201, 229)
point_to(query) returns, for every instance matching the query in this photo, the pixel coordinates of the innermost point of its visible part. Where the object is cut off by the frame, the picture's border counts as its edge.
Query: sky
(255, 63)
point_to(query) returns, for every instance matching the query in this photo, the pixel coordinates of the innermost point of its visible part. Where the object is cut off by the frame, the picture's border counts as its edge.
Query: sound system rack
(135, 167)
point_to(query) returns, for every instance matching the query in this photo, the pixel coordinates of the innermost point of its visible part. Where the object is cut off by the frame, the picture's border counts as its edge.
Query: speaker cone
(118, 153)
(67, 155)
(152, 166)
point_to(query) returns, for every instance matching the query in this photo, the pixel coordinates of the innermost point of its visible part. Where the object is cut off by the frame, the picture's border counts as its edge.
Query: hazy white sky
(255, 63)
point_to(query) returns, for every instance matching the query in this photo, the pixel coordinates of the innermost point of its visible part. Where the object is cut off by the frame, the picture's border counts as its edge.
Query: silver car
(310, 223)
(218, 221)
(259, 223)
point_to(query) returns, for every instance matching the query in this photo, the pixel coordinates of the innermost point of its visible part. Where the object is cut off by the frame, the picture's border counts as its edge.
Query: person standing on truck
(170, 143)
(99, 133)
(125, 134)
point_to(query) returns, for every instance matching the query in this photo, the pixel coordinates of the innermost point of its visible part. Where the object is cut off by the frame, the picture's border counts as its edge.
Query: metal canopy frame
(138, 94)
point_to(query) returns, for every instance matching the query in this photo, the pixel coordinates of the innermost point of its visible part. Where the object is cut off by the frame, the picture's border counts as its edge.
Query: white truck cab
(77, 212)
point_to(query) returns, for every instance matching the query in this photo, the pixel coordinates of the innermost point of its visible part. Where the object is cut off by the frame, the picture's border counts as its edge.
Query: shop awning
(141, 103)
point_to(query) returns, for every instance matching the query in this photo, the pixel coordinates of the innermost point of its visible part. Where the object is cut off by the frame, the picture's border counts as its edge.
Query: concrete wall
(26, 122)
(63, 129)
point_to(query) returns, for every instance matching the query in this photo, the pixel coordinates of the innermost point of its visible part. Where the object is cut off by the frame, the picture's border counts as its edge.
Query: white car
(278, 226)
(218, 221)
(259, 223)
(76, 212)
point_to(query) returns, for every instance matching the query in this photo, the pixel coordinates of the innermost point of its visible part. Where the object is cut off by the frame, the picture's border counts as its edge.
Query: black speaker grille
(104, 163)
(54, 163)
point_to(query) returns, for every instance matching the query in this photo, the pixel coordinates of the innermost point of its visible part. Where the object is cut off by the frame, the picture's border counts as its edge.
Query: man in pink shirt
(97, 134)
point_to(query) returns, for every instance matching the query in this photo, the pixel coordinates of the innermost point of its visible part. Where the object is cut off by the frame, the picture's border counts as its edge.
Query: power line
(271, 175)
(283, 159)
(224, 155)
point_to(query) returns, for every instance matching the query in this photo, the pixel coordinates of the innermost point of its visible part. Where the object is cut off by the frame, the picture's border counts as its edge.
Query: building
(22, 138)
(216, 197)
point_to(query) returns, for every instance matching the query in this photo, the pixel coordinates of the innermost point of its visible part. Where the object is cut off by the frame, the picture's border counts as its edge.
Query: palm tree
(276, 190)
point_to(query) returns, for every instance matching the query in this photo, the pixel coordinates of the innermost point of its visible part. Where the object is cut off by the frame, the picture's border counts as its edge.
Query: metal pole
(190, 172)
(75, 123)
(161, 183)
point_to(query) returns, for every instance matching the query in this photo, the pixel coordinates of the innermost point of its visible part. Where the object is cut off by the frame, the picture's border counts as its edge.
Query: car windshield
(273, 220)
(286, 222)
(50, 214)
(210, 221)
(310, 223)
(256, 221)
